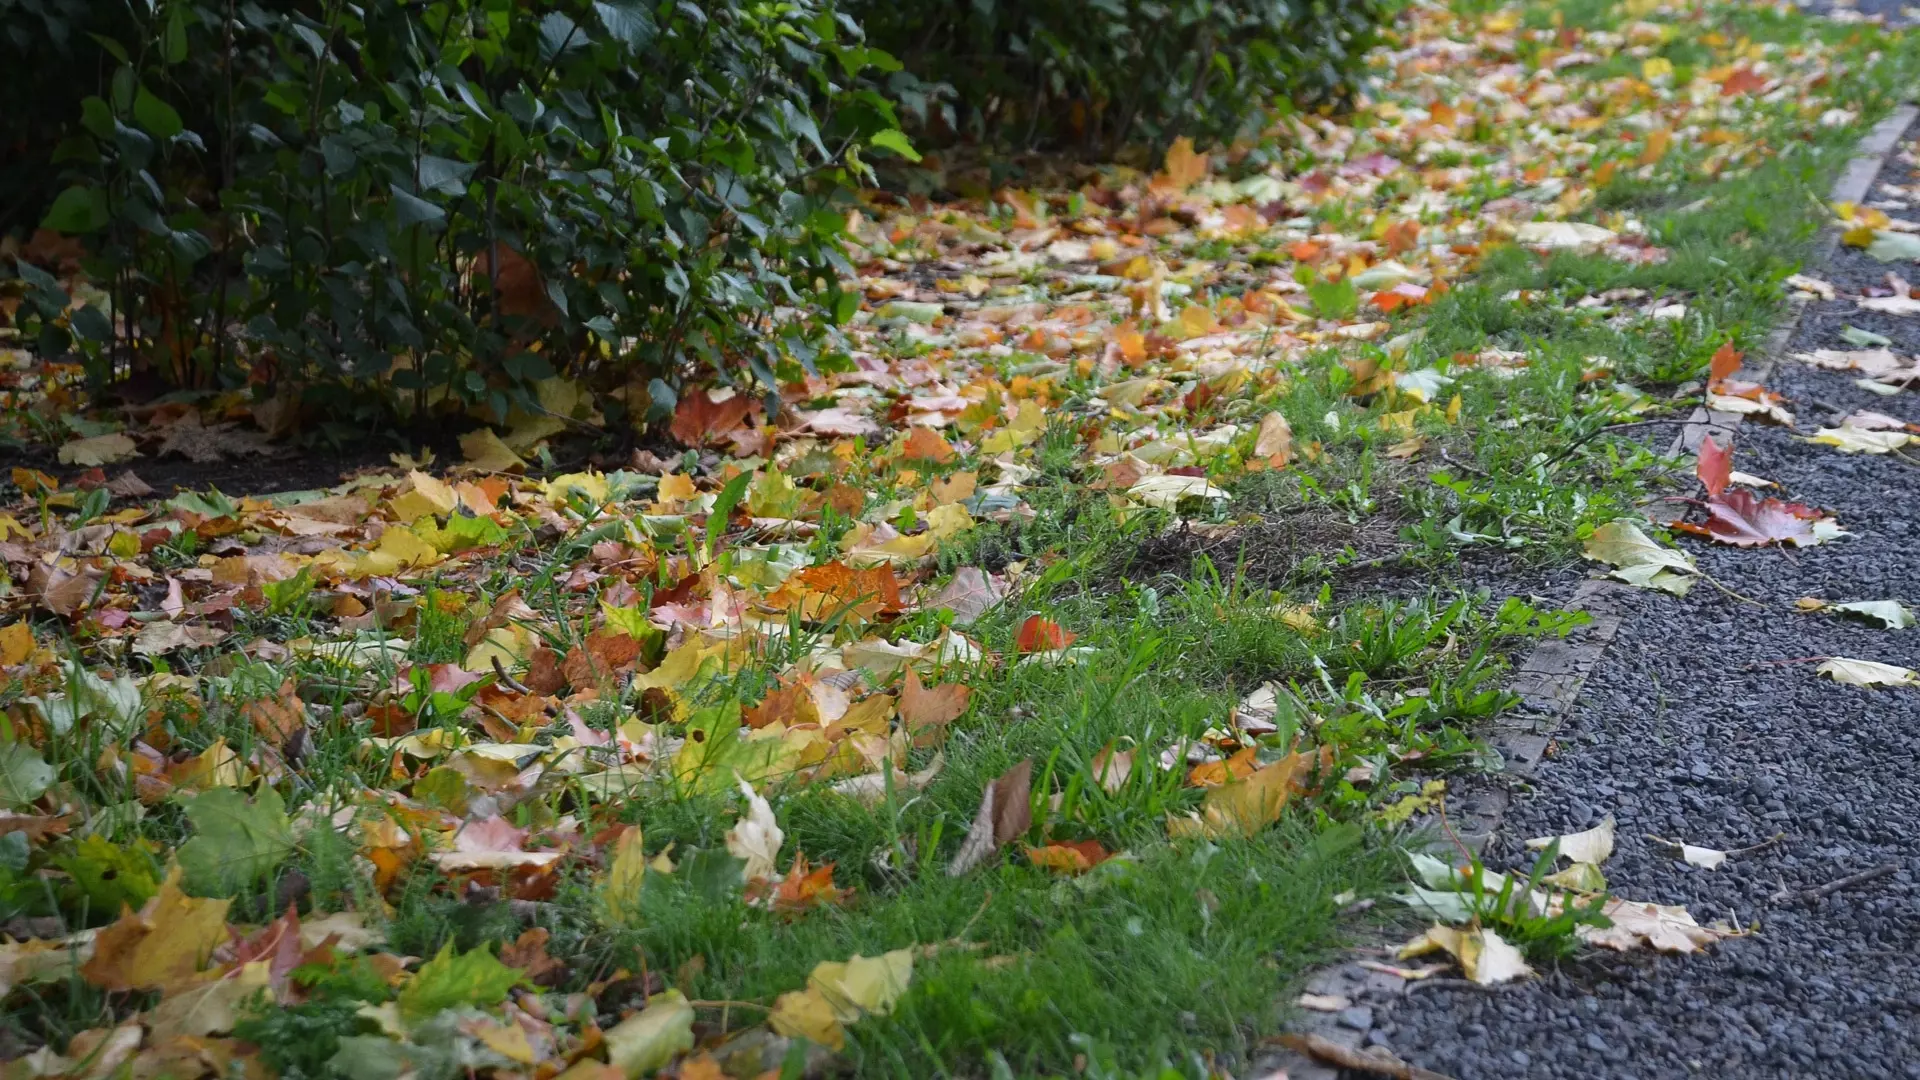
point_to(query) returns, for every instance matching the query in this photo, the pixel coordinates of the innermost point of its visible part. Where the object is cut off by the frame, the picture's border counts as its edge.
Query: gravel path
(1703, 723)
(1892, 12)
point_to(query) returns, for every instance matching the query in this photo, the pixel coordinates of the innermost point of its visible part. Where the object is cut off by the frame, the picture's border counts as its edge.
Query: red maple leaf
(1715, 467)
(1744, 519)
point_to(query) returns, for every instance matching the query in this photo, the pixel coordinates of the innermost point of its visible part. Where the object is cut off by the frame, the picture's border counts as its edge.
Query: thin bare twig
(1850, 881)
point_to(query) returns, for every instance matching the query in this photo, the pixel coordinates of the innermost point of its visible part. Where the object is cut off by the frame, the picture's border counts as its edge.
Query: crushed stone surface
(1705, 722)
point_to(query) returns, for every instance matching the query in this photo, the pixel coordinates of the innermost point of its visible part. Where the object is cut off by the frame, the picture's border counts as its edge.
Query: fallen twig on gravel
(1848, 882)
(1319, 1046)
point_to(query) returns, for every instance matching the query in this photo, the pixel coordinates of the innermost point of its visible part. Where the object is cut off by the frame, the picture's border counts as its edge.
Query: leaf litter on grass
(775, 620)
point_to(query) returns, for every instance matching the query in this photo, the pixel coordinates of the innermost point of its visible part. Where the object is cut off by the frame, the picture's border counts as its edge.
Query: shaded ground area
(1706, 723)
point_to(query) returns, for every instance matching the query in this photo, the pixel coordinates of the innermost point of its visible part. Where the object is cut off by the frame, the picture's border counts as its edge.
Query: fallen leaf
(652, 1037)
(99, 450)
(1006, 811)
(1704, 858)
(1857, 441)
(756, 838)
(1714, 466)
(1891, 614)
(1041, 635)
(1075, 857)
(1867, 673)
(1561, 235)
(1275, 440)
(1746, 519)
(165, 945)
(1378, 1061)
(1657, 926)
(1484, 956)
(925, 712)
(1592, 846)
(969, 595)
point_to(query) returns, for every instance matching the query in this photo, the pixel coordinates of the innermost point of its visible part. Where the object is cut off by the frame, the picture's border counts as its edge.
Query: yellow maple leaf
(163, 946)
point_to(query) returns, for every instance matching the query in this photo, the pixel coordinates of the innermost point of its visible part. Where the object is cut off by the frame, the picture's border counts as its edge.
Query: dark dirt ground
(1705, 722)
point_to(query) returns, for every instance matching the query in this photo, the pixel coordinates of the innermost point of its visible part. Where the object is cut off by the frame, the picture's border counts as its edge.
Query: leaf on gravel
(1580, 877)
(1666, 928)
(236, 841)
(1378, 1061)
(1592, 846)
(652, 1037)
(1745, 519)
(1891, 305)
(1703, 857)
(1714, 466)
(1854, 335)
(1890, 246)
(1331, 1003)
(1867, 673)
(1879, 361)
(1484, 956)
(1639, 561)
(1006, 811)
(756, 839)
(99, 450)
(1891, 614)
(1856, 441)
(1745, 406)
(1622, 544)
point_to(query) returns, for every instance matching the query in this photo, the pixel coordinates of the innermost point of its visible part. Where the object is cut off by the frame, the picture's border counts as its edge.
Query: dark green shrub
(458, 199)
(1102, 73)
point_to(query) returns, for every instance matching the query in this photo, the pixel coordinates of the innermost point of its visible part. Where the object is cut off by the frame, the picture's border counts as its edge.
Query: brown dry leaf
(98, 450)
(926, 711)
(195, 440)
(61, 591)
(926, 444)
(701, 420)
(528, 952)
(1378, 1062)
(1006, 811)
(1112, 767)
(1275, 440)
(128, 486)
(277, 719)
